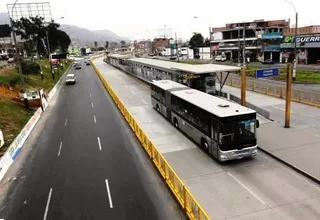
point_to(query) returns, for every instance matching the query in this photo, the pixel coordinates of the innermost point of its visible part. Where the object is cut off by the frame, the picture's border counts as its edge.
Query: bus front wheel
(204, 145)
(175, 121)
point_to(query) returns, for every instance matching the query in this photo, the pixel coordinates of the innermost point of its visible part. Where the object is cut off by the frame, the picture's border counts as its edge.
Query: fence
(182, 194)
(279, 91)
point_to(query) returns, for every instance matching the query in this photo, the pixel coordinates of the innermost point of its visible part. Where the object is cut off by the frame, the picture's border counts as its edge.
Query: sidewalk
(299, 145)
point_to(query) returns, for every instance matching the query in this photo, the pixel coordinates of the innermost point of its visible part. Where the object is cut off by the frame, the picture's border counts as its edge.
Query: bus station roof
(120, 56)
(207, 68)
(187, 68)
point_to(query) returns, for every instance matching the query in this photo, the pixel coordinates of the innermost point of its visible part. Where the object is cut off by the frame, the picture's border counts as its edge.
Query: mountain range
(82, 36)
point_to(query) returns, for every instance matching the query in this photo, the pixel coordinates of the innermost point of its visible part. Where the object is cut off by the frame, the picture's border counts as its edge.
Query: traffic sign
(262, 73)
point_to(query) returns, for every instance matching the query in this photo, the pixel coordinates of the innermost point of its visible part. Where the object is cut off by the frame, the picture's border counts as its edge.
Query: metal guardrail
(279, 91)
(178, 188)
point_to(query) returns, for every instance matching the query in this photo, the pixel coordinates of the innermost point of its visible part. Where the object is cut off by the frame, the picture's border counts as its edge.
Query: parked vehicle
(220, 58)
(77, 65)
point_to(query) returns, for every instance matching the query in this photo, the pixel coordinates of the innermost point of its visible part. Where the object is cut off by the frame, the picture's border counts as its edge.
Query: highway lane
(84, 164)
(258, 188)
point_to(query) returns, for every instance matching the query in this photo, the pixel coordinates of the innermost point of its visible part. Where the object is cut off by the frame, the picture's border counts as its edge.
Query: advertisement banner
(5, 163)
(16, 145)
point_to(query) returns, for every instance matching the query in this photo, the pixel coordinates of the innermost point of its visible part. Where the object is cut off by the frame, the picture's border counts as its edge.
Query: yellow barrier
(182, 194)
(279, 91)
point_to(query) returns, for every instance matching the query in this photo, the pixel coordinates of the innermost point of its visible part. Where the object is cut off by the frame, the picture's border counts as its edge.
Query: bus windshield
(239, 132)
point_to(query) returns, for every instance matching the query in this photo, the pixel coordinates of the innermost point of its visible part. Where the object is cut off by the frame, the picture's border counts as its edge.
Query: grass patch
(13, 117)
(302, 76)
(32, 82)
(190, 62)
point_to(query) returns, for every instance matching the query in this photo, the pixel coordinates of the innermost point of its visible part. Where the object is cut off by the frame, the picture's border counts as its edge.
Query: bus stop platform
(250, 189)
(298, 145)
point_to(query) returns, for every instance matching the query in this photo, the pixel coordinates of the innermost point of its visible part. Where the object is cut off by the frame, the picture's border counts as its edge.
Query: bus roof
(168, 84)
(214, 105)
(188, 68)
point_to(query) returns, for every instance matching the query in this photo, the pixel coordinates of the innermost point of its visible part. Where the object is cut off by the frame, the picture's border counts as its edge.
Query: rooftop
(212, 104)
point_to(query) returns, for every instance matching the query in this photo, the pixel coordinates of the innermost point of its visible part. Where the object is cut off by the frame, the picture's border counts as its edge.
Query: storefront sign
(273, 35)
(272, 48)
(302, 39)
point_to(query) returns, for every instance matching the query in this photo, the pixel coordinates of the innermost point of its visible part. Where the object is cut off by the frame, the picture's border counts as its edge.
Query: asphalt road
(83, 162)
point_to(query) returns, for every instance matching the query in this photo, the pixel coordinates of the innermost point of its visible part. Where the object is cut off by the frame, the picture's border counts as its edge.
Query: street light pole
(15, 42)
(210, 36)
(295, 41)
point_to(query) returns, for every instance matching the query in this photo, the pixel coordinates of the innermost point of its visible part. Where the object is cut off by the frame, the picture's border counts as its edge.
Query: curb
(260, 148)
(182, 194)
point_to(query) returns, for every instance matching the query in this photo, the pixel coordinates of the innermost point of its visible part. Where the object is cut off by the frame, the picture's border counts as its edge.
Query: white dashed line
(92, 104)
(94, 119)
(59, 152)
(65, 122)
(252, 193)
(109, 194)
(99, 143)
(144, 101)
(90, 95)
(47, 206)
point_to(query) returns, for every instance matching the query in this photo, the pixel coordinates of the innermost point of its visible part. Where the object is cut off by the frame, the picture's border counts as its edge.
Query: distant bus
(222, 128)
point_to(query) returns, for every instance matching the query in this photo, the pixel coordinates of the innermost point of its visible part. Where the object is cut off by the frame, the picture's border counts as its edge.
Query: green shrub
(30, 67)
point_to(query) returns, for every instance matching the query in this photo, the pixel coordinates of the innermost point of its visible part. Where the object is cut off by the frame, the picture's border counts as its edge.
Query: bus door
(214, 137)
(168, 104)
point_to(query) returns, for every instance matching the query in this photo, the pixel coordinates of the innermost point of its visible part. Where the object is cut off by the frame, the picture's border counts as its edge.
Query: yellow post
(243, 85)
(288, 96)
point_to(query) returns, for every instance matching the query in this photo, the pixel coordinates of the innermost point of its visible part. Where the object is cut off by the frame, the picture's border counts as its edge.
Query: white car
(70, 79)
(221, 58)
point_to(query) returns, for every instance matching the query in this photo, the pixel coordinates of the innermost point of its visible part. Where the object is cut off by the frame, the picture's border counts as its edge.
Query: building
(308, 45)
(7, 48)
(260, 38)
(159, 44)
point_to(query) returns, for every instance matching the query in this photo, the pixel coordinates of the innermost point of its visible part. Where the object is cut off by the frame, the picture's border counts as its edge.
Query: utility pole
(49, 50)
(243, 69)
(210, 39)
(177, 48)
(295, 49)
(239, 62)
(288, 96)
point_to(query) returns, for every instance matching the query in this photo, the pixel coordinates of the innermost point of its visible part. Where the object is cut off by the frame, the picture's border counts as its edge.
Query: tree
(206, 42)
(107, 45)
(196, 40)
(35, 32)
(122, 42)
(95, 44)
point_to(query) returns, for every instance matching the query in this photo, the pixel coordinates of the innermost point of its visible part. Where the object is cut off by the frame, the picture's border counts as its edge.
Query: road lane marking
(252, 193)
(90, 95)
(47, 206)
(132, 92)
(144, 101)
(65, 122)
(59, 152)
(94, 118)
(109, 194)
(92, 104)
(99, 143)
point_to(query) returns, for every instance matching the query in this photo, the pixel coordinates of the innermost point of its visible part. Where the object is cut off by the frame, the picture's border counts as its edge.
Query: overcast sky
(140, 19)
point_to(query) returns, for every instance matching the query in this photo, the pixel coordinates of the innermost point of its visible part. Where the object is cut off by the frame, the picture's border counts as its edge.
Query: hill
(82, 36)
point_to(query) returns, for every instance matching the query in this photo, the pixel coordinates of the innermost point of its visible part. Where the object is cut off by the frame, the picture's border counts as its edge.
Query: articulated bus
(222, 128)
